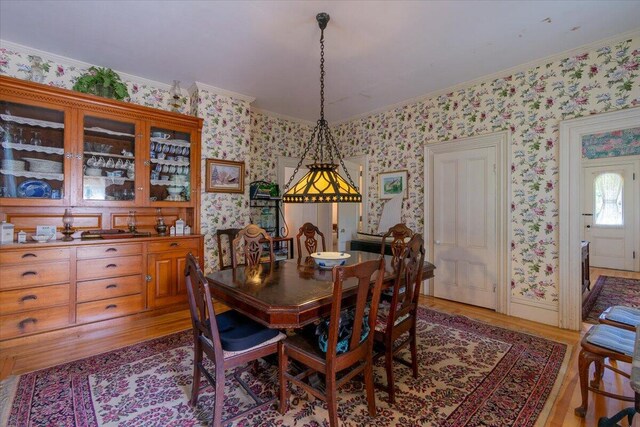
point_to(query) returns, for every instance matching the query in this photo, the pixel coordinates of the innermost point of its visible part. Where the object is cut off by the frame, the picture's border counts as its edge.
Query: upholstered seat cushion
(621, 314)
(612, 338)
(238, 332)
(383, 316)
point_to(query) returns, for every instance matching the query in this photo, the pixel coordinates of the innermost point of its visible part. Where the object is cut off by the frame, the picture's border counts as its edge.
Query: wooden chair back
(203, 318)
(397, 236)
(230, 234)
(252, 239)
(365, 292)
(309, 231)
(409, 276)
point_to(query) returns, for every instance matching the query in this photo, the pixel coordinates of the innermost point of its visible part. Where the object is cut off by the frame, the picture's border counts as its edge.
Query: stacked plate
(44, 166)
(12, 165)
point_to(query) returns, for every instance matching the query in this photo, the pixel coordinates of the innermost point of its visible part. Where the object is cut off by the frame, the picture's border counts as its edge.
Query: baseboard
(540, 314)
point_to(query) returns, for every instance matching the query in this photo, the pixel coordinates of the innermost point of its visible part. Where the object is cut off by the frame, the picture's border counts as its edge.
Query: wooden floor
(32, 356)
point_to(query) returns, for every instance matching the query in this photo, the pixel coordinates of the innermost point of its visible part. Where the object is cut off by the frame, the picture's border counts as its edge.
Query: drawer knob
(111, 265)
(112, 286)
(111, 250)
(29, 273)
(28, 297)
(174, 244)
(29, 255)
(23, 323)
(111, 306)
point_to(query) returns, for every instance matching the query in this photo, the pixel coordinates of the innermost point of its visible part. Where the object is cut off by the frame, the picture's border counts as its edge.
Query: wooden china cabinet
(109, 163)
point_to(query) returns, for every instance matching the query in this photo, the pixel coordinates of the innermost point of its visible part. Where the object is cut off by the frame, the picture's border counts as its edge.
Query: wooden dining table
(288, 294)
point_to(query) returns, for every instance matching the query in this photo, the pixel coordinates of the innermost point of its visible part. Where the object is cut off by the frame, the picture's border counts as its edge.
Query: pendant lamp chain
(325, 185)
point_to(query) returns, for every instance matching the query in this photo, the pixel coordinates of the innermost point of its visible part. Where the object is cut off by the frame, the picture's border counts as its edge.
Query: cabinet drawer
(28, 322)
(109, 288)
(32, 298)
(108, 308)
(109, 267)
(172, 245)
(41, 273)
(109, 251)
(34, 255)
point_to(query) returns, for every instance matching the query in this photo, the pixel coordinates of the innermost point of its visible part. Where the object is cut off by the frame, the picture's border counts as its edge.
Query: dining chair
(355, 356)
(253, 239)
(396, 322)
(309, 231)
(230, 234)
(229, 340)
(398, 235)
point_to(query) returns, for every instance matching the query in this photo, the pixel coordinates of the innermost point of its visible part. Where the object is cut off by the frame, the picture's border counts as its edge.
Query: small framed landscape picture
(224, 176)
(390, 184)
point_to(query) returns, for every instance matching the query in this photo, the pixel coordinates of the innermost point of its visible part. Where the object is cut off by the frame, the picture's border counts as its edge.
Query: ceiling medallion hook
(323, 19)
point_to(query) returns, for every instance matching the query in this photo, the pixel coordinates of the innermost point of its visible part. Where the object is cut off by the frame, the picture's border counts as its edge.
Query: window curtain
(608, 200)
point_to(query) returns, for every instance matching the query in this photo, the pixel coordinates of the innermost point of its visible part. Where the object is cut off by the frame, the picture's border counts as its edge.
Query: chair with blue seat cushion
(600, 343)
(309, 231)
(397, 238)
(396, 322)
(229, 340)
(250, 243)
(337, 368)
(621, 316)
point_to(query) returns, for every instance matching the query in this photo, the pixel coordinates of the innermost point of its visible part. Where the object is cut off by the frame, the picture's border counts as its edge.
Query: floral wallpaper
(225, 135)
(17, 64)
(272, 137)
(530, 104)
(624, 142)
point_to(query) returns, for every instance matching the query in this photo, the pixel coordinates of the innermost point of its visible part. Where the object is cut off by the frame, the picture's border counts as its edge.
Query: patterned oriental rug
(610, 291)
(471, 374)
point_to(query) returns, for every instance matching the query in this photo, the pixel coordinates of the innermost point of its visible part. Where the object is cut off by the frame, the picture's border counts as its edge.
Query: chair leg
(584, 361)
(284, 390)
(597, 373)
(388, 363)
(369, 386)
(219, 398)
(414, 351)
(197, 360)
(332, 401)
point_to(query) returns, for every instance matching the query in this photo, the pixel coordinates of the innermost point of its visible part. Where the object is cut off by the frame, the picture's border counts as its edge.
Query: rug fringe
(8, 388)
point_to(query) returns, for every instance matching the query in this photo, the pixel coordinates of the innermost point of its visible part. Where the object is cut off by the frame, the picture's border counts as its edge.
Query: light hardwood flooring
(27, 357)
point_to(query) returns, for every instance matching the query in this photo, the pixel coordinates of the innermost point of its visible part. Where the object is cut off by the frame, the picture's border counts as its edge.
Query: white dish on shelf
(330, 259)
(42, 238)
(13, 165)
(93, 172)
(174, 190)
(43, 165)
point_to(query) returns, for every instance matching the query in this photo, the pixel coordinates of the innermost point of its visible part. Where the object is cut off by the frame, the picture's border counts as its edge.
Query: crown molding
(219, 91)
(83, 65)
(282, 116)
(635, 33)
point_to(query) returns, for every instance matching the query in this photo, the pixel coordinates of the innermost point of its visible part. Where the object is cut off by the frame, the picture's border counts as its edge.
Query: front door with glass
(610, 215)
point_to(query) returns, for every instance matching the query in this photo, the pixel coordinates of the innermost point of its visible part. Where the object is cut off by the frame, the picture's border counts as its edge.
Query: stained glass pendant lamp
(323, 183)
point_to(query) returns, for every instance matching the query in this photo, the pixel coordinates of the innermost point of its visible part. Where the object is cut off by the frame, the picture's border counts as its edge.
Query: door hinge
(634, 254)
(634, 176)
(495, 287)
(494, 168)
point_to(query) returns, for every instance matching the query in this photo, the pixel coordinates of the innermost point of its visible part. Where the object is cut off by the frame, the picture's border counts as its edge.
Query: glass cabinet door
(170, 166)
(109, 160)
(32, 155)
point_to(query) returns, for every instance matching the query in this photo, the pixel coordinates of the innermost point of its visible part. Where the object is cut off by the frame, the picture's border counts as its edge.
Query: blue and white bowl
(330, 259)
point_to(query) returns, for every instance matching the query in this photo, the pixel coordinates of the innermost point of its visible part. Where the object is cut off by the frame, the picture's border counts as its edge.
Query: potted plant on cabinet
(102, 82)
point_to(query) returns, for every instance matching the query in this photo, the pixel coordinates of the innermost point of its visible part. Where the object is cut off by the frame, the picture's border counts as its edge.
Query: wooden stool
(600, 343)
(621, 317)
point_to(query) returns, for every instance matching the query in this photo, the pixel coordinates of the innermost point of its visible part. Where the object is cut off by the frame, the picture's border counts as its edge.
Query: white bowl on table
(330, 259)
(41, 238)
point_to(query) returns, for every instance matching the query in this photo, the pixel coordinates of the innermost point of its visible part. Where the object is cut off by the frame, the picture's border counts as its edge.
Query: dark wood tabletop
(286, 294)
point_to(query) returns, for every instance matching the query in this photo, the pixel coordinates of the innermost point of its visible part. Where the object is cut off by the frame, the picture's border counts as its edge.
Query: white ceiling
(377, 53)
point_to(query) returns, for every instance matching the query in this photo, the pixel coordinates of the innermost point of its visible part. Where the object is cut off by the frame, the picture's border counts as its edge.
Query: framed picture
(224, 176)
(390, 184)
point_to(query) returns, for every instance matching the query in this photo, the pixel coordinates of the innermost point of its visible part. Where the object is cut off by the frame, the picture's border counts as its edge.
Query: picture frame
(224, 176)
(392, 183)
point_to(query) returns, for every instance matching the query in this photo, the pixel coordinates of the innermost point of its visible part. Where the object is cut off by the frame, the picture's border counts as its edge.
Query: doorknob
(437, 242)
(588, 226)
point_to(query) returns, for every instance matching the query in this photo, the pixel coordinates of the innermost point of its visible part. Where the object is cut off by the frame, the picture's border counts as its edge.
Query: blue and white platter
(34, 188)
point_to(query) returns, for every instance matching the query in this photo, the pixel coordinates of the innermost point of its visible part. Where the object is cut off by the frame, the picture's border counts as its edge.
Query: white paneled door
(610, 215)
(464, 226)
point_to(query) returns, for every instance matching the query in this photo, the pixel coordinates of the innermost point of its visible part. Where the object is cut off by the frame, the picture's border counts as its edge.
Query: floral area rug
(471, 374)
(610, 291)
